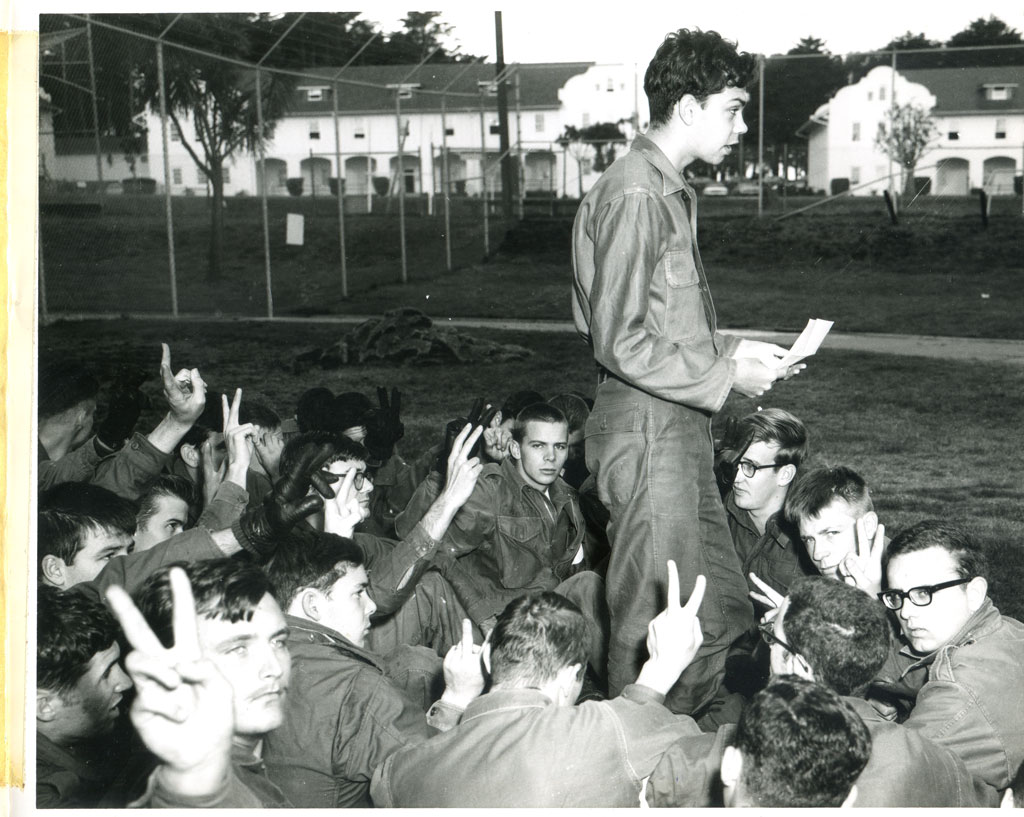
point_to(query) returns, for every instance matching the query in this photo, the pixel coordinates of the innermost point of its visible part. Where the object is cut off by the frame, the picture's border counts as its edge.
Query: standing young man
(641, 301)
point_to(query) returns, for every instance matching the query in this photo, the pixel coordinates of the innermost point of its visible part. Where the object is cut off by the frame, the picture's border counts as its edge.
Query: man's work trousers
(653, 461)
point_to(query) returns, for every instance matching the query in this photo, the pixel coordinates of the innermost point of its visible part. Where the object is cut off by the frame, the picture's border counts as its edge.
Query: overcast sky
(624, 31)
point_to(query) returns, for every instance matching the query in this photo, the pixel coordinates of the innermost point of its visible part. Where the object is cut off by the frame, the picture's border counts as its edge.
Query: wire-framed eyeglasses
(919, 596)
(750, 468)
(768, 634)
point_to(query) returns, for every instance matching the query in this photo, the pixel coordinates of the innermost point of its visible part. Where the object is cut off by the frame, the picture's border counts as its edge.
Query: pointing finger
(183, 617)
(136, 628)
(467, 636)
(225, 413)
(697, 596)
(235, 406)
(674, 602)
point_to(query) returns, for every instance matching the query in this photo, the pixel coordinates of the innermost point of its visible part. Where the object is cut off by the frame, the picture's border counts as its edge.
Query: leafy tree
(793, 90)
(992, 31)
(905, 136)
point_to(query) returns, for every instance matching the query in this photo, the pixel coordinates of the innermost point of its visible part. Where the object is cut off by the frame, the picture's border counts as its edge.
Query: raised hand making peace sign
(673, 636)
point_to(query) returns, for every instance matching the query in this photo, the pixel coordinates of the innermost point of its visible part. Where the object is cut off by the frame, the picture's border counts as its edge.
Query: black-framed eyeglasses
(768, 634)
(919, 596)
(750, 468)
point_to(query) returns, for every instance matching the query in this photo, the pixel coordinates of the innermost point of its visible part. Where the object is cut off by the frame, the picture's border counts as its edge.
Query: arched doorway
(410, 174)
(316, 172)
(275, 176)
(997, 175)
(456, 174)
(539, 173)
(952, 178)
(357, 174)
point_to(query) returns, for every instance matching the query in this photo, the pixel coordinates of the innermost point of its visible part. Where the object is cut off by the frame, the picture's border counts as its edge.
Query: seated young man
(525, 744)
(797, 745)
(221, 613)
(961, 656)
(163, 511)
(838, 526)
(521, 530)
(765, 541)
(79, 685)
(66, 407)
(348, 708)
(81, 527)
(832, 633)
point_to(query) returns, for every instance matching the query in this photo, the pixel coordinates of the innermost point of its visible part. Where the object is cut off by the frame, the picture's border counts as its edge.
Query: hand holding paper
(808, 342)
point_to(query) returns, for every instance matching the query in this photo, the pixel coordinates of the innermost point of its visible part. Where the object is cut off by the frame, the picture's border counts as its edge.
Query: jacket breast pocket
(519, 548)
(684, 307)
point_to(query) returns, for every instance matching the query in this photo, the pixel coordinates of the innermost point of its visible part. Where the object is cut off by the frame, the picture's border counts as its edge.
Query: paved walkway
(949, 348)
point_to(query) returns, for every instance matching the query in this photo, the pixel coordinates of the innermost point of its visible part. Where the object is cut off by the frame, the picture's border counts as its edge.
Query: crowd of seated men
(254, 606)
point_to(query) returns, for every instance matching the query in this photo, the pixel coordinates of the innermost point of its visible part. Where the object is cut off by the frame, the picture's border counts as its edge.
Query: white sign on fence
(295, 227)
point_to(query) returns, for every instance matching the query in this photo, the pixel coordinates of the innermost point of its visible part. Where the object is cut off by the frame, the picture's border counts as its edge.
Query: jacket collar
(505, 699)
(304, 631)
(672, 180)
(773, 528)
(559, 491)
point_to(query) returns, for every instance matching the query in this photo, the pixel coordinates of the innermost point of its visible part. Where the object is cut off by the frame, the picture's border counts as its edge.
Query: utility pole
(508, 174)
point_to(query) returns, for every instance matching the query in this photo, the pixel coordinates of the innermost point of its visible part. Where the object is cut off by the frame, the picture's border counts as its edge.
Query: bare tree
(905, 136)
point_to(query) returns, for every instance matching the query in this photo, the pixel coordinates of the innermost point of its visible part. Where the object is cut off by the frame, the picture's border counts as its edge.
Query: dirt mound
(406, 337)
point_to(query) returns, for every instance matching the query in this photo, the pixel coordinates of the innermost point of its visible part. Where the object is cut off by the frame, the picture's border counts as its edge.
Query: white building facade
(979, 138)
(381, 145)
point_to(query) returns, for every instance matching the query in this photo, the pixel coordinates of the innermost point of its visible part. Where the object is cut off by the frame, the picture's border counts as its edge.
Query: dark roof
(961, 90)
(539, 84)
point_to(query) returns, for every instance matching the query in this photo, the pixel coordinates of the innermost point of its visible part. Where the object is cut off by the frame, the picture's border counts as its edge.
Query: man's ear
(567, 678)
(52, 569)
(732, 766)
(48, 704)
(514, 450)
(787, 473)
(870, 523)
(190, 454)
(977, 590)
(685, 108)
(851, 798)
(309, 602)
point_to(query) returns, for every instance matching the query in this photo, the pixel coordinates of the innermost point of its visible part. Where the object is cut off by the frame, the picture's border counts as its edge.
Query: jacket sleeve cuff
(642, 694)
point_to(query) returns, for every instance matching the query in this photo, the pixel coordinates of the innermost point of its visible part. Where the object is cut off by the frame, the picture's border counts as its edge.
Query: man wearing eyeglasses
(834, 634)
(964, 659)
(766, 543)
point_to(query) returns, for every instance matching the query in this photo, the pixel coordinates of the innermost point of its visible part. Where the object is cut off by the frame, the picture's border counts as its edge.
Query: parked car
(746, 188)
(715, 189)
(698, 183)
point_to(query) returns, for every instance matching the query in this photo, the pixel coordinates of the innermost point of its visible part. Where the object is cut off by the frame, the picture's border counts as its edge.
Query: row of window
(177, 176)
(952, 132)
(360, 128)
(993, 93)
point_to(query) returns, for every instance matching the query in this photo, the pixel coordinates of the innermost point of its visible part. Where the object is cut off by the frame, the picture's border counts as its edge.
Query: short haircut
(841, 631)
(700, 63)
(313, 411)
(70, 511)
(259, 414)
(346, 449)
(536, 636)
(311, 561)
(536, 413)
(814, 490)
(71, 629)
(228, 589)
(574, 408)
(63, 386)
(953, 538)
(165, 485)
(778, 427)
(802, 745)
(350, 409)
(517, 401)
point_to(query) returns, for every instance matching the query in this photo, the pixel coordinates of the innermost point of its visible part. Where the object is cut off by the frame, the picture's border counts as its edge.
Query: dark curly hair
(696, 62)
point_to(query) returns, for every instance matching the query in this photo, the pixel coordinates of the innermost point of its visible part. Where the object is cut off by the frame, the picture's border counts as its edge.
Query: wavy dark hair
(695, 62)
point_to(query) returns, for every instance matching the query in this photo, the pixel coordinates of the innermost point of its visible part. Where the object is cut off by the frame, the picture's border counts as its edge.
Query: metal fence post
(483, 178)
(400, 174)
(263, 193)
(95, 109)
(341, 192)
(167, 178)
(445, 182)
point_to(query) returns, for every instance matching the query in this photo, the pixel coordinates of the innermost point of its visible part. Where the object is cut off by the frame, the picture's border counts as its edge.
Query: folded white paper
(808, 342)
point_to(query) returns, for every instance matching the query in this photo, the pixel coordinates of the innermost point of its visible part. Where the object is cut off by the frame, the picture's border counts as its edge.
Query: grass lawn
(931, 437)
(939, 272)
